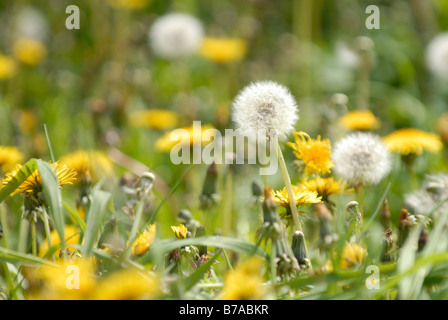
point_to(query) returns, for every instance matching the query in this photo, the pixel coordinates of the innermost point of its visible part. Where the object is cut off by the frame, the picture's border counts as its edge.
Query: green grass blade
(75, 216)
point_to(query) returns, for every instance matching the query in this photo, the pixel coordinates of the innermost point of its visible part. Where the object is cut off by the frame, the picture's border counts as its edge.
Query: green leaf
(11, 255)
(159, 248)
(75, 216)
(197, 275)
(95, 215)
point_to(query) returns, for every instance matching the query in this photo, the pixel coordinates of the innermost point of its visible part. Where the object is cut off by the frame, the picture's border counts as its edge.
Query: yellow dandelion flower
(245, 281)
(127, 284)
(360, 120)
(352, 255)
(154, 118)
(89, 164)
(223, 50)
(71, 280)
(7, 67)
(187, 136)
(29, 51)
(326, 186)
(301, 197)
(411, 141)
(129, 4)
(33, 184)
(180, 231)
(10, 157)
(144, 241)
(315, 153)
(72, 235)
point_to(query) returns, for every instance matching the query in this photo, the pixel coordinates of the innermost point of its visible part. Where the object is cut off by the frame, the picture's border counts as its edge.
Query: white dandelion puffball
(361, 158)
(265, 105)
(437, 55)
(176, 35)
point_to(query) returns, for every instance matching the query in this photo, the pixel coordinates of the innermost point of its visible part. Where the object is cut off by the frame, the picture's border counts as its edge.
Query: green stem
(47, 227)
(4, 223)
(133, 233)
(23, 235)
(273, 266)
(229, 265)
(228, 203)
(292, 203)
(33, 237)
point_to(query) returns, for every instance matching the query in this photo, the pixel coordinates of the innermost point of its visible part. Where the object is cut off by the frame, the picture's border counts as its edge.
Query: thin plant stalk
(292, 203)
(4, 223)
(228, 203)
(33, 237)
(23, 235)
(46, 227)
(133, 233)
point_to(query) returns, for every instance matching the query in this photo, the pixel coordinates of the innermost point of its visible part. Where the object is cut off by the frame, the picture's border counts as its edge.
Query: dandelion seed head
(361, 158)
(437, 56)
(176, 35)
(265, 105)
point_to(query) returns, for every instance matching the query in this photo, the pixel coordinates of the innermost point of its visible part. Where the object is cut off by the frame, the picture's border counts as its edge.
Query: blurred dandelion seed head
(176, 35)
(361, 158)
(437, 56)
(265, 105)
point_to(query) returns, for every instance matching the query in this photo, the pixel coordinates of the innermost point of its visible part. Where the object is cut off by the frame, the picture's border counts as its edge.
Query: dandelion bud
(385, 215)
(257, 189)
(269, 207)
(327, 234)
(404, 226)
(146, 184)
(298, 248)
(201, 233)
(423, 239)
(353, 209)
(388, 244)
(209, 195)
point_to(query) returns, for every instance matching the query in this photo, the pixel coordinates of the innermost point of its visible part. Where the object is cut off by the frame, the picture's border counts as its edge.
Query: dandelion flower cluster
(223, 50)
(180, 231)
(176, 35)
(188, 135)
(7, 67)
(33, 184)
(315, 153)
(360, 120)
(361, 158)
(154, 118)
(301, 197)
(143, 243)
(88, 164)
(267, 106)
(325, 186)
(9, 158)
(245, 281)
(436, 55)
(352, 255)
(411, 141)
(29, 51)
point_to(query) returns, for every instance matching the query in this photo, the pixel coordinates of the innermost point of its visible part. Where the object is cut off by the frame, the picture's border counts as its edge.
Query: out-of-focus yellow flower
(33, 184)
(187, 136)
(10, 157)
(223, 50)
(301, 197)
(154, 118)
(72, 236)
(7, 67)
(127, 284)
(180, 231)
(326, 186)
(442, 127)
(129, 4)
(29, 51)
(352, 255)
(27, 121)
(245, 281)
(360, 120)
(89, 164)
(144, 241)
(410, 141)
(315, 153)
(72, 280)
